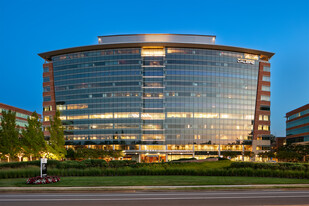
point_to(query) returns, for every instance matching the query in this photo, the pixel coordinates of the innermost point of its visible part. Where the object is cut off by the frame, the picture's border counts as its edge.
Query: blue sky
(31, 27)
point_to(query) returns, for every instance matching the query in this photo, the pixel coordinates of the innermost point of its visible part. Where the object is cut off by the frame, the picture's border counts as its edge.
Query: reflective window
(265, 98)
(47, 98)
(46, 79)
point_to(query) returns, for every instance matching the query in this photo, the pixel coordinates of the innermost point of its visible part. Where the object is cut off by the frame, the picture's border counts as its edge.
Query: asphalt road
(192, 198)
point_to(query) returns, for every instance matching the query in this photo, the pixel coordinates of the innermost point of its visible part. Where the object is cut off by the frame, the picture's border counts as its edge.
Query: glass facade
(297, 126)
(158, 99)
(180, 96)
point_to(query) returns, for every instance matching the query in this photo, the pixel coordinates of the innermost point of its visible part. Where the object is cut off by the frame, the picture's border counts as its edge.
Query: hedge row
(271, 166)
(31, 172)
(71, 164)
(93, 163)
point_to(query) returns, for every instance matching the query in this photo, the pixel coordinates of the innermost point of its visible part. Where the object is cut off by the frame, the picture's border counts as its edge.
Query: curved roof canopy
(166, 40)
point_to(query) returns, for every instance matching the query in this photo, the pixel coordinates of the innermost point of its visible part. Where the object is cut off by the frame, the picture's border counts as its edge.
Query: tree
(9, 135)
(249, 154)
(56, 142)
(268, 154)
(231, 154)
(293, 153)
(33, 142)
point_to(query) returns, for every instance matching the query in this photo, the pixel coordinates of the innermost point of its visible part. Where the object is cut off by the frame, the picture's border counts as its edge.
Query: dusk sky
(31, 27)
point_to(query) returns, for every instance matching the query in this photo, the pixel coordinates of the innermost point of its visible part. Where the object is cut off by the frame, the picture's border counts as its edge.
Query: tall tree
(33, 142)
(56, 142)
(9, 135)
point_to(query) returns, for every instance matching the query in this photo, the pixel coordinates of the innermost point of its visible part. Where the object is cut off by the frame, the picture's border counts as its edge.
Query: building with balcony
(297, 126)
(160, 96)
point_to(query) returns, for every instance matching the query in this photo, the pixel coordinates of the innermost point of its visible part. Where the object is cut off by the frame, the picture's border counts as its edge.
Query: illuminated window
(260, 127)
(63, 117)
(153, 147)
(46, 118)
(77, 106)
(206, 115)
(153, 52)
(266, 118)
(153, 116)
(152, 126)
(126, 126)
(77, 117)
(127, 137)
(153, 137)
(265, 127)
(126, 115)
(252, 56)
(248, 116)
(61, 107)
(101, 126)
(179, 115)
(47, 108)
(101, 116)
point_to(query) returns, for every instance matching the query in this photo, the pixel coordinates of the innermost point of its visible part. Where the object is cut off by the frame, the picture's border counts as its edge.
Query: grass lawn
(154, 180)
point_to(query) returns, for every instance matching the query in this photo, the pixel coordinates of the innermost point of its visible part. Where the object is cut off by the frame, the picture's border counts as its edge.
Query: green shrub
(121, 163)
(19, 164)
(271, 166)
(95, 163)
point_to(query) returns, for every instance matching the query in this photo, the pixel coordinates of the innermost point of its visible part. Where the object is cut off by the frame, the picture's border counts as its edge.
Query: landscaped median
(157, 181)
(131, 168)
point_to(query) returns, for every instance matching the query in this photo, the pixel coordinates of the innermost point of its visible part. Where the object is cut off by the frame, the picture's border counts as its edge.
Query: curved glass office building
(160, 96)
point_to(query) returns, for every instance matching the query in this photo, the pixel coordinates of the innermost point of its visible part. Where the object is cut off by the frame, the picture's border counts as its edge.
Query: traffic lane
(300, 197)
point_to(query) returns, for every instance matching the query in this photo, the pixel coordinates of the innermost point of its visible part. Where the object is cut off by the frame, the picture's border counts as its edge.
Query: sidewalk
(119, 188)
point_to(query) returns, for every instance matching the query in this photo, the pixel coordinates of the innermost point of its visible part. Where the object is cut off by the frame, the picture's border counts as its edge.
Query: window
(266, 78)
(263, 117)
(152, 126)
(101, 126)
(45, 69)
(46, 118)
(265, 108)
(266, 88)
(265, 127)
(153, 116)
(179, 115)
(61, 107)
(77, 106)
(47, 108)
(47, 98)
(266, 69)
(260, 127)
(101, 116)
(46, 89)
(153, 137)
(77, 117)
(265, 98)
(120, 115)
(46, 79)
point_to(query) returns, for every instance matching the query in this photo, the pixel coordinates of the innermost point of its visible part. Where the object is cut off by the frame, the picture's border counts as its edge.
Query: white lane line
(158, 198)
(157, 194)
